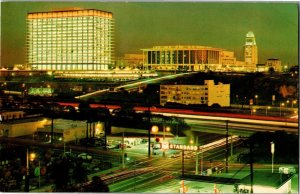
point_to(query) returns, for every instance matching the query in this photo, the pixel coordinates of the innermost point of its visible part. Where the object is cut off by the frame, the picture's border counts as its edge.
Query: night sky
(146, 24)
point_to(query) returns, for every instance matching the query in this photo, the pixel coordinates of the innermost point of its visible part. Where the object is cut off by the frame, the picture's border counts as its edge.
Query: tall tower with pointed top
(250, 51)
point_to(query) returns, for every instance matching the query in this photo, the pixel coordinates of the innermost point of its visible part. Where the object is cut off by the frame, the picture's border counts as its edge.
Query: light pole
(272, 152)
(154, 129)
(27, 171)
(256, 99)
(267, 107)
(294, 102)
(32, 157)
(281, 104)
(123, 154)
(165, 129)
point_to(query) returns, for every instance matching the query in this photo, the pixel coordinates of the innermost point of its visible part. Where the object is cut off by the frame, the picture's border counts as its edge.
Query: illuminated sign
(41, 91)
(166, 146)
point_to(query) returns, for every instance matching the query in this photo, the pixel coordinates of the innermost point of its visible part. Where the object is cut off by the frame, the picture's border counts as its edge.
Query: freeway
(215, 121)
(133, 85)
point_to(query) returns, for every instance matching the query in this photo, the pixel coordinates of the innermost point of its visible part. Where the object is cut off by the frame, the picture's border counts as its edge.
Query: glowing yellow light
(191, 141)
(168, 128)
(154, 129)
(32, 156)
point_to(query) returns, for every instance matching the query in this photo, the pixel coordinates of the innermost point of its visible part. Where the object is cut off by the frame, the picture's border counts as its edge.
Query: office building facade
(208, 94)
(70, 40)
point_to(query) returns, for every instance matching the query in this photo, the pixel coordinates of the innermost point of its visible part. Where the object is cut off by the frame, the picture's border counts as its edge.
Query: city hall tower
(250, 51)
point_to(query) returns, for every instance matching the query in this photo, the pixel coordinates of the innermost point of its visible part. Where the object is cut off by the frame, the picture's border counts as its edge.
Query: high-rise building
(70, 40)
(250, 52)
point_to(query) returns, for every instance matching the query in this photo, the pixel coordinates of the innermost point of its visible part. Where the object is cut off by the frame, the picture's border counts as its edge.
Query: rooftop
(266, 179)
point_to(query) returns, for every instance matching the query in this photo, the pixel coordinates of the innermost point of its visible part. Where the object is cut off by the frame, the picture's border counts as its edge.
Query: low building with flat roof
(266, 182)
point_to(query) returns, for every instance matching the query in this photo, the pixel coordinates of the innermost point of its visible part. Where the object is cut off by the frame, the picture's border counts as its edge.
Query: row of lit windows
(73, 30)
(70, 22)
(182, 57)
(57, 61)
(68, 34)
(71, 67)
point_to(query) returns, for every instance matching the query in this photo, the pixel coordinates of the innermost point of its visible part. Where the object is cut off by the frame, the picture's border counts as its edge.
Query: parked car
(85, 156)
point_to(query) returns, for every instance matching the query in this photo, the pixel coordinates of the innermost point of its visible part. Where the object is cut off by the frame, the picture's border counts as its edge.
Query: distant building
(70, 40)
(21, 127)
(182, 58)
(11, 115)
(64, 130)
(273, 63)
(261, 68)
(208, 94)
(250, 52)
(132, 61)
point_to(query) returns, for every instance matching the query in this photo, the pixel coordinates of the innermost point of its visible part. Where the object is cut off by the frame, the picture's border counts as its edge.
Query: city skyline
(143, 25)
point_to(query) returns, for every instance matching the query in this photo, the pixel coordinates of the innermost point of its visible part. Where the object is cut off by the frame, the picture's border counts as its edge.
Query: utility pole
(251, 165)
(149, 131)
(197, 155)
(227, 146)
(52, 115)
(182, 164)
(27, 170)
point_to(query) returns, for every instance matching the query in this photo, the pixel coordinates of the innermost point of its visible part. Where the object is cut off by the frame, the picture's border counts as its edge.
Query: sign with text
(166, 145)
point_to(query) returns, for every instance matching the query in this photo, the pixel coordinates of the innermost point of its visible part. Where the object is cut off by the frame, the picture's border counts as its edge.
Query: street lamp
(32, 157)
(293, 102)
(154, 129)
(281, 104)
(253, 111)
(256, 99)
(165, 129)
(267, 107)
(272, 152)
(29, 157)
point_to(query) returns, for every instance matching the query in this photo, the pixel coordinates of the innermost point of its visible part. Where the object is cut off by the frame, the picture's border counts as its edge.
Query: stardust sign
(180, 147)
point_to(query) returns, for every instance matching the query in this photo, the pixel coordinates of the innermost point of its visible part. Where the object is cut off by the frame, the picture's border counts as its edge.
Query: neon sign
(166, 145)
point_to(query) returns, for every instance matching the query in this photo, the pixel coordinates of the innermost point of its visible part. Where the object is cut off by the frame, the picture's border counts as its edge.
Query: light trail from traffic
(135, 84)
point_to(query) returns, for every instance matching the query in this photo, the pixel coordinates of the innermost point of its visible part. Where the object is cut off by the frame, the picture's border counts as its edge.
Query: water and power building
(72, 43)
(70, 40)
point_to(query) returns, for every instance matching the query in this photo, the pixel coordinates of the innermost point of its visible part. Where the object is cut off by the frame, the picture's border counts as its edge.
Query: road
(133, 85)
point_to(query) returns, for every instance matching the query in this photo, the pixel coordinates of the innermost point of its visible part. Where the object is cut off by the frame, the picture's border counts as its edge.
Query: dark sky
(146, 24)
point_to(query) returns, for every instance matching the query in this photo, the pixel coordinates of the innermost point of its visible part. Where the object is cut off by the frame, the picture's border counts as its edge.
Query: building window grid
(59, 43)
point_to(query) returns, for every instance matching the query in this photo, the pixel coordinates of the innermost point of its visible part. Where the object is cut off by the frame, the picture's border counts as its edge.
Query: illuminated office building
(250, 52)
(208, 94)
(70, 40)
